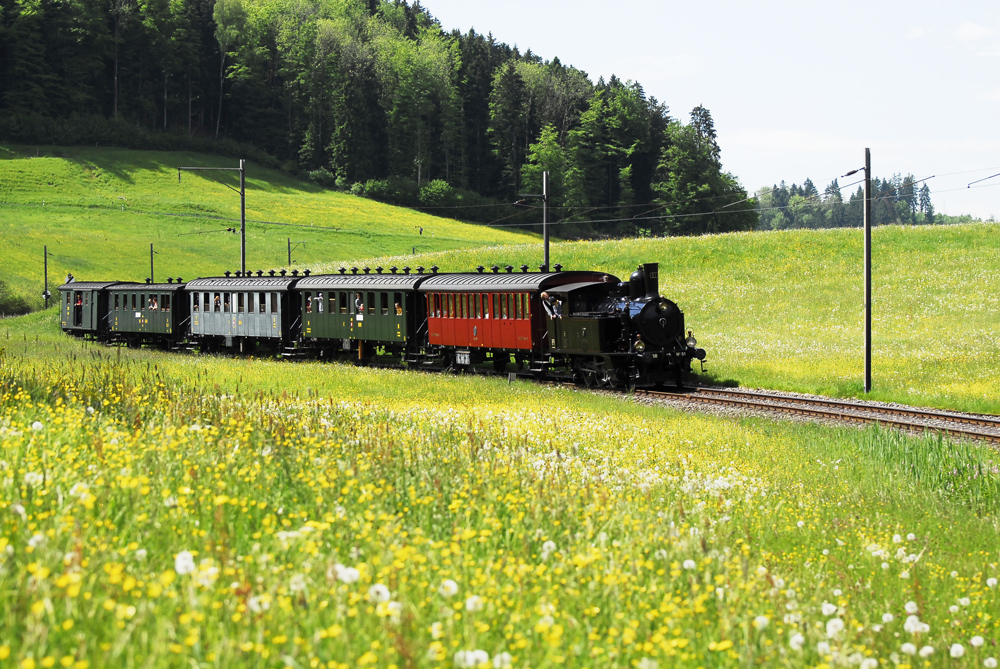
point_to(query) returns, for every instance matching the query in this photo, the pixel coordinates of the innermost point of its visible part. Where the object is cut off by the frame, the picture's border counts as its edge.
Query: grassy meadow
(98, 210)
(165, 510)
(785, 310)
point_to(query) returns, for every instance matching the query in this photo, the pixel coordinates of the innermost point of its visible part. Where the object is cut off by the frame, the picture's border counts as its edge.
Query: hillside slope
(98, 210)
(785, 309)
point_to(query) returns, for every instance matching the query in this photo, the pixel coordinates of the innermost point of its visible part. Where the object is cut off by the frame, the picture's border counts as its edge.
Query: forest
(896, 200)
(371, 97)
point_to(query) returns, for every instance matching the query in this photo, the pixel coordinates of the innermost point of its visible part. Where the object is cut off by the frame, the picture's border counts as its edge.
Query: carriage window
(342, 302)
(384, 297)
(227, 302)
(371, 303)
(165, 302)
(142, 302)
(449, 305)
(206, 305)
(217, 302)
(195, 301)
(262, 303)
(240, 302)
(86, 299)
(503, 305)
(116, 301)
(309, 303)
(435, 305)
(397, 303)
(517, 305)
(319, 302)
(527, 305)
(274, 303)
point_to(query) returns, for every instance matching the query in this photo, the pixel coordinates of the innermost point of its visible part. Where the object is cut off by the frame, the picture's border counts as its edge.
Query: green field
(785, 310)
(98, 211)
(165, 510)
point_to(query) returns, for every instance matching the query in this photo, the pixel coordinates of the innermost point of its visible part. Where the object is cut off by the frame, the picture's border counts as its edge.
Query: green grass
(785, 310)
(98, 211)
(578, 530)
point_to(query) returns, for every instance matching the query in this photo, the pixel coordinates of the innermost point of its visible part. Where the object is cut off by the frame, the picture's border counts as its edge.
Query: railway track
(969, 426)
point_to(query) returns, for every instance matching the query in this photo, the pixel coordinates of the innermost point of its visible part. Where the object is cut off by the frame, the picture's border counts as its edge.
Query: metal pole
(45, 294)
(545, 216)
(868, 271)
(243, 218)
(152, 278)
(289, 251)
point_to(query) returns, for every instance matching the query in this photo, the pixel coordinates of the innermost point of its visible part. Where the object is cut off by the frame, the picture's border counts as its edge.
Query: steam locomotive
(583, 326)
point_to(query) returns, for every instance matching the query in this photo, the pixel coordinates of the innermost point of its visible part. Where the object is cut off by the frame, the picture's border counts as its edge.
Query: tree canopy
(370, 95)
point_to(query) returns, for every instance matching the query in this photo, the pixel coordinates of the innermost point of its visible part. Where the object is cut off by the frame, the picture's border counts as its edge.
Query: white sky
(796, 89)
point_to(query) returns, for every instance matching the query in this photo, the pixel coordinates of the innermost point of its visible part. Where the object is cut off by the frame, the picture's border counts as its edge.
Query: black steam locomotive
(583, 326)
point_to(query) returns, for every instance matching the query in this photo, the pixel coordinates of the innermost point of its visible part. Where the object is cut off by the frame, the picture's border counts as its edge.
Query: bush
(323, 177)
(12, 304)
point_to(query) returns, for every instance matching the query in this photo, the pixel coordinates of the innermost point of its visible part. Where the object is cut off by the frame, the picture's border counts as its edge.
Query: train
(587, 327)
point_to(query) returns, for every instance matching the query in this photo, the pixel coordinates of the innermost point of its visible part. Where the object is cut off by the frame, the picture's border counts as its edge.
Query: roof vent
(295, 272)
(557, 267)
(495, 268)
(239, 273)
(260, 272)
(543, 268)
(283, 272)
(228, 273)
(434, 269)
(170, 279)
(342, 270)
(271, 272)
(354, 270)
(420, 269)
(368, 269)
(393, 269)
(406, 270)
(306, 272)
(378, 269)
(179, 280)
(524, 269)
(509, 268)
(480, 269)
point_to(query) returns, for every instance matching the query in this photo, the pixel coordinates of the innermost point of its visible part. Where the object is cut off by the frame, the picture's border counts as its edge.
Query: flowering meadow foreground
(170, 511)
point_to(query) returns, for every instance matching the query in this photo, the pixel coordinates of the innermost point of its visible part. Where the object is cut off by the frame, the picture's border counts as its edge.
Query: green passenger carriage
(360, 312)
(141, 313)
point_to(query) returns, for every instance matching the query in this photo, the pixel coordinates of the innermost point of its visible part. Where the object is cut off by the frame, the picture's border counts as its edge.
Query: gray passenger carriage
(359, 311)
(242, 312)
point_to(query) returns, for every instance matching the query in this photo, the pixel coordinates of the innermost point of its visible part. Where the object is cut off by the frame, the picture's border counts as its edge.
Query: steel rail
(838, 410)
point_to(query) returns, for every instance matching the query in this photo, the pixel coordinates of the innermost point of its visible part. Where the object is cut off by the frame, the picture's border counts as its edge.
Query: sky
(797, 89)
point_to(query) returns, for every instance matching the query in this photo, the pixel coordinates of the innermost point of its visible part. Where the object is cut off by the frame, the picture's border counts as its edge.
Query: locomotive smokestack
(652, 270)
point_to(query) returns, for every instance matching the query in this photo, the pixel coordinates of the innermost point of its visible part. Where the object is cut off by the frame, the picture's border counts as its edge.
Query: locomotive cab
(581, 322)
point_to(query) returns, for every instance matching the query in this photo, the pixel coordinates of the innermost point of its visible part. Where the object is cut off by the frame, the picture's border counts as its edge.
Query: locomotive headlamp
(640, 346)
(663, 306)
(691, 342)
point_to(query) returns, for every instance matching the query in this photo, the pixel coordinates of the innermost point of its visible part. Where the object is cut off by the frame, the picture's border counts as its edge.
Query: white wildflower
(378, 593)
(184, 563)
(448, 588)
(908, 648)
(926, 651)
(760, 622)
(797, 641)
(474, 603)
(834, 626)
(504, 660)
